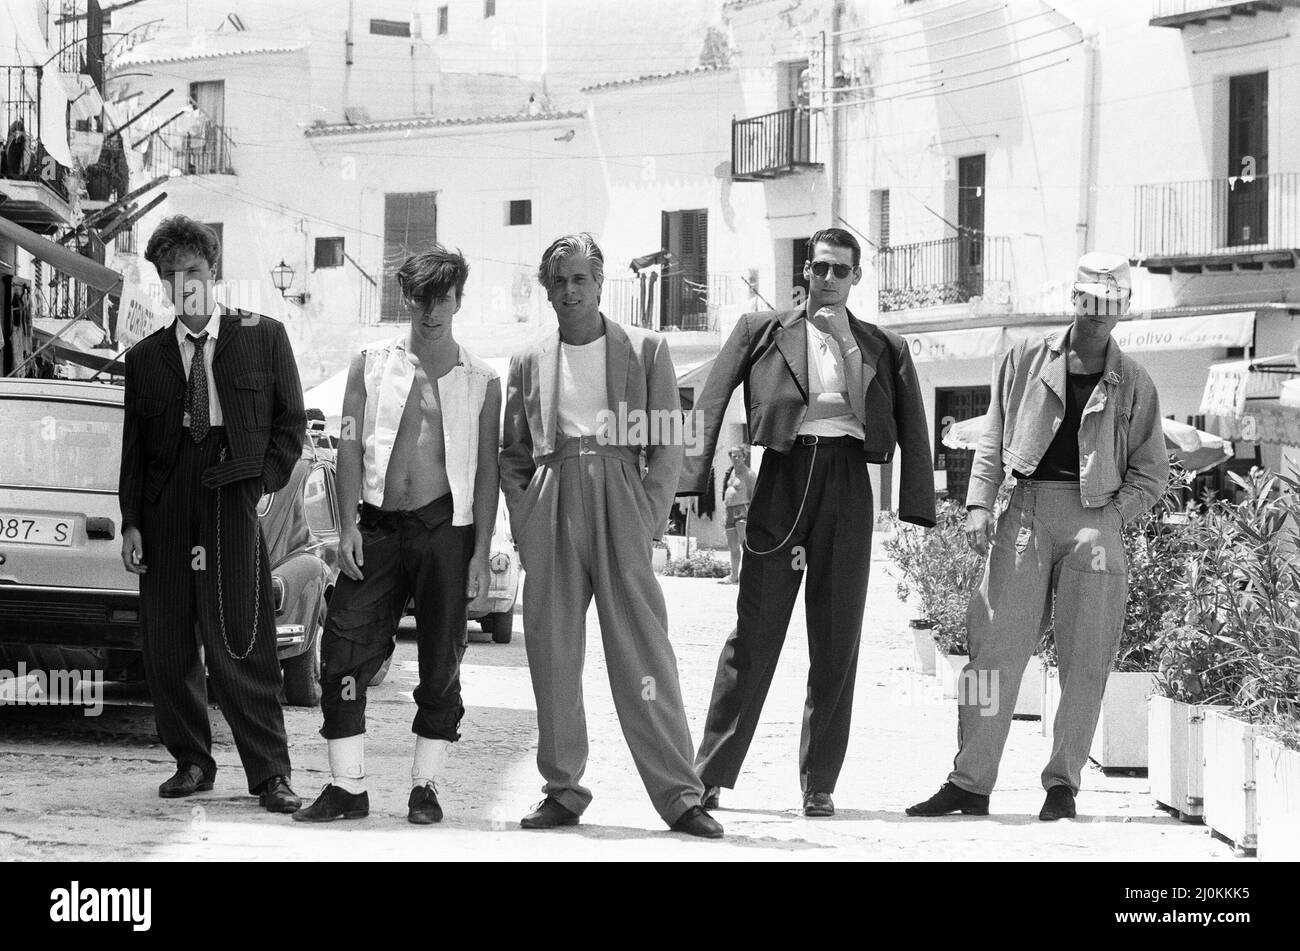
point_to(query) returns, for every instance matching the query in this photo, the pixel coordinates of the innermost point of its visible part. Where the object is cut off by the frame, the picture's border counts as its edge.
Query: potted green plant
(1255, 596)
(936, 571)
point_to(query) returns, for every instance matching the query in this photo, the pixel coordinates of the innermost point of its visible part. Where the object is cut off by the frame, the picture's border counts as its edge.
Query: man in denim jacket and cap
(1078, 424)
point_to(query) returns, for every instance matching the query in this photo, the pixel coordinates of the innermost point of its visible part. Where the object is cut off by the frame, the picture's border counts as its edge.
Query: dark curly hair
(179, 234)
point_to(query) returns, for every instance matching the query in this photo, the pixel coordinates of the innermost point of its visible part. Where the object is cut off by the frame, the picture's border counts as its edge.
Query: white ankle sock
(430, 760)
(347, 763)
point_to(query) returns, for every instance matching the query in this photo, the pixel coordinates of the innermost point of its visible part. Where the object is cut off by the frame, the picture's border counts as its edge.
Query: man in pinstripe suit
(213, 419)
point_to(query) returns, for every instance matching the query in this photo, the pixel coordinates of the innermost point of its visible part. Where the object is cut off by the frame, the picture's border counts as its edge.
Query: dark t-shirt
(1060, 463)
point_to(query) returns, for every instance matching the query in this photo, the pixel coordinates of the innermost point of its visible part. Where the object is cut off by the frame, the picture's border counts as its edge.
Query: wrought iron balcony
(204, 150)
(36, 185)
(1218, 224)
(671, 301)
(1183, 13)
(778, 143)
(948, 271)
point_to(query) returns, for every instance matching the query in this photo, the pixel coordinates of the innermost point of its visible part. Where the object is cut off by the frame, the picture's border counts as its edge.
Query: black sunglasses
(841, 270)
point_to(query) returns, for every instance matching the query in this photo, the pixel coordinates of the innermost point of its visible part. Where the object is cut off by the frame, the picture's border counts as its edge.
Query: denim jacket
(1122, 456)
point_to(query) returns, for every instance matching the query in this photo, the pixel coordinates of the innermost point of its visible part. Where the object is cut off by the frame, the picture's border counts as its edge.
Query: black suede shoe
(422, 808)
(951, 799)
(335, 803)
(1059, 804)
(695, 821)
(818, 805)
(709, 801)
(549, 814)
(187, 780)
(274, 795)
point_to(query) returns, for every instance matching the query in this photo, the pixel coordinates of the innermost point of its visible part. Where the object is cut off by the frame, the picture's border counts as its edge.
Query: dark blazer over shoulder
(257, 382)
(768, 353)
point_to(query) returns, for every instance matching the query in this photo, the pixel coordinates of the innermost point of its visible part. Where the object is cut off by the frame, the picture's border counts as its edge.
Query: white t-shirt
(582, 393)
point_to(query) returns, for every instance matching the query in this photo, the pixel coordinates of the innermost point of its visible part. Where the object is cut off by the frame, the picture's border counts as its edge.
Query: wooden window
(329, 252)
(410, 225)
(519, 212)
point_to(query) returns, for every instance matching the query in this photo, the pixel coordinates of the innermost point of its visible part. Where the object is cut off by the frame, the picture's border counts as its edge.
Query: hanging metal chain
(257, 582)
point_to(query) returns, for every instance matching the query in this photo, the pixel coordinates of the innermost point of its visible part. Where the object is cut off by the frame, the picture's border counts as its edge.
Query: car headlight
(277, 583)
(499, 563)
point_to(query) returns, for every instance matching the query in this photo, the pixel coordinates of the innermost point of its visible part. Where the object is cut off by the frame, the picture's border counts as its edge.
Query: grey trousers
(1046, 542)
(584, 528)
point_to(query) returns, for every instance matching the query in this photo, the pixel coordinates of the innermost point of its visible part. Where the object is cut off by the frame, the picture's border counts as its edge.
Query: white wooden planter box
(923, 651)
(1051, 699)
(1121, 738)
(948, 669)
(1277, 792)
(1029, 703)
(1230, 778)
(1176, 761)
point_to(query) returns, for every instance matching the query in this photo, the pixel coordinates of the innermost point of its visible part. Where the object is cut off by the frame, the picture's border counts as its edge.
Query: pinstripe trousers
(182, 623)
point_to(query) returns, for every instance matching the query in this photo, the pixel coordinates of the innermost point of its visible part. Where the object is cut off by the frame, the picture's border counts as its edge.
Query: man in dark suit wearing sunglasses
(826, 393)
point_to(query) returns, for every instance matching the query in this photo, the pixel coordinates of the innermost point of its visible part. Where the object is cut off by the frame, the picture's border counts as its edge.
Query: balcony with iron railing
(1243, 223)
(775, 144)
(947, 271)
(671, 301)
(206, 150)
(34, 185)
(1183, 13)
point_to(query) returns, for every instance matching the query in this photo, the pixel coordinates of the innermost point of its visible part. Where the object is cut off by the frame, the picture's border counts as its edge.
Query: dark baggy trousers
(1045, 543)
(831, 541)
(418, 554)
(179, 592)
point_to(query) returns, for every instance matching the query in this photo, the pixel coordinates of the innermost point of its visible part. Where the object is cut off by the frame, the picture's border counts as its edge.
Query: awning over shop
(1201, 332)
(1246, 395)
(1230, 385)
(105, 361)
(694, 376)
(69, 262)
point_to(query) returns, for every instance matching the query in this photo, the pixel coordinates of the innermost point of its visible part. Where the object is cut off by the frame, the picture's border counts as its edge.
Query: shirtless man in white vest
(418, 448)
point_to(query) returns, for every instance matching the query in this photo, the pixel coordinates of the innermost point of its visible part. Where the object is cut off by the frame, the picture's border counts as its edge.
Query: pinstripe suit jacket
(257, 382)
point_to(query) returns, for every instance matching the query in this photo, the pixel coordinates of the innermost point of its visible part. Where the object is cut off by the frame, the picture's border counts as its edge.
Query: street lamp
(282, 278)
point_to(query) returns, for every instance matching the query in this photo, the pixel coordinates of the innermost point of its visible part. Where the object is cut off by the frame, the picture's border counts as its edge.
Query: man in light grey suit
(582, 406)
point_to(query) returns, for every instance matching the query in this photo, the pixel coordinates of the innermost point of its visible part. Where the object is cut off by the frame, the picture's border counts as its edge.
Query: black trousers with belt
(831, 543)
(179, 595)
(420, 554)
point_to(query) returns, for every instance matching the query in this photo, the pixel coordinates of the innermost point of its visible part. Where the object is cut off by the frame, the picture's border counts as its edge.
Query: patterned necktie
(196, 391)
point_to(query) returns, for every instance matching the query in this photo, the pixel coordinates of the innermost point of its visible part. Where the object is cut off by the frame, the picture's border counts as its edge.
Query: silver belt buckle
(808, 439)
(585, 447)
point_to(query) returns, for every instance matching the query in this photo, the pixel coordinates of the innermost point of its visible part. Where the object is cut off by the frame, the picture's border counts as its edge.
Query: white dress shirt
(187, 357)
(829, 411)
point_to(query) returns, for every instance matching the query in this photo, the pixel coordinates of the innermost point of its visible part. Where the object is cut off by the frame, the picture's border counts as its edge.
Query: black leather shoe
(422, 808)
(187, 780)
(950, 799)
(1059, 804)
(274, 795)
(695, 821)
(335, 803)
(549, 814)
(710, 798)
(818, 805)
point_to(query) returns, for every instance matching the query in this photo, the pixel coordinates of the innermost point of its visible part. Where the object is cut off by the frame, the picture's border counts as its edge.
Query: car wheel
(302, 673)
(501, 625)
